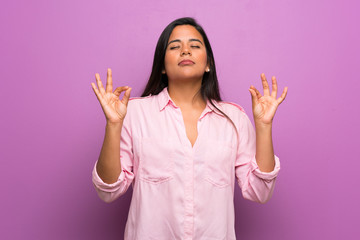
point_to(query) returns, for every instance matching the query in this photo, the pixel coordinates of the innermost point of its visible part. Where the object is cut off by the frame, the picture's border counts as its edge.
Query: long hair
(157, 82)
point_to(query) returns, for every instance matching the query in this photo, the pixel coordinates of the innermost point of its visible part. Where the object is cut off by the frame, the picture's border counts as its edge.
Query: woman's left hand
(264, 107)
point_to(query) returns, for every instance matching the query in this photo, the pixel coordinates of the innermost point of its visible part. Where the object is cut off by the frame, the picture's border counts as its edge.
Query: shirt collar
(165, 100)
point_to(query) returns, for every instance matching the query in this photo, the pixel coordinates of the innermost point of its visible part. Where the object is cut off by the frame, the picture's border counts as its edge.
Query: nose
(185, 51)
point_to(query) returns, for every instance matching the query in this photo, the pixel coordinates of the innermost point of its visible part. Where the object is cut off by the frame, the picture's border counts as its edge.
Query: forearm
(108, 166)
(264, 147)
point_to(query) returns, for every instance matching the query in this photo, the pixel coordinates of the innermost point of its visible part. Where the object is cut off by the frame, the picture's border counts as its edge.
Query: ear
(207, 69)
(163, 71)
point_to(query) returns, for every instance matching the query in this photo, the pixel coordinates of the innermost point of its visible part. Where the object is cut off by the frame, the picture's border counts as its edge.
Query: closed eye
(195, 46)
(171, 48)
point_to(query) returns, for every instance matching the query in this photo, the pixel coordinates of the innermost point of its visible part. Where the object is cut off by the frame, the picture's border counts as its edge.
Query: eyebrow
(190, 40)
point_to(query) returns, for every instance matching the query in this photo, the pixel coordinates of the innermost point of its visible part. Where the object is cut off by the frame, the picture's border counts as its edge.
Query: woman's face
(185, 57)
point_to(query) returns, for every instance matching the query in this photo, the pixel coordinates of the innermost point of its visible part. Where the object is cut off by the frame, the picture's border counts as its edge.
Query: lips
(186, 62)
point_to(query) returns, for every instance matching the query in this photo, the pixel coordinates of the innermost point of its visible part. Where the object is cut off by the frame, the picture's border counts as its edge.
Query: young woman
(181, 147)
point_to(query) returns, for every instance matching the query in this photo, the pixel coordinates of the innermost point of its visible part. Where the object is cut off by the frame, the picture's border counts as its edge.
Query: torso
(191, 117)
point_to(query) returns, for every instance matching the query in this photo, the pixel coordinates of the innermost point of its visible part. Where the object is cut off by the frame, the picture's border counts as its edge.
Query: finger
(283, 95)
(99, 83)
(253, 97)
(258, 94)
(265, 85)
(109, 84)
(97, 92)
(119, 90)
(274, 88)
(126, 96)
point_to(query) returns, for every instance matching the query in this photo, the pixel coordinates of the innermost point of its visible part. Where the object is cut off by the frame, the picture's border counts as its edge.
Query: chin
(188, 76)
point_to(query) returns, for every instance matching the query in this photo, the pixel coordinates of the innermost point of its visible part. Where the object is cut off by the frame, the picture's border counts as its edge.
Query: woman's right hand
(114, 108)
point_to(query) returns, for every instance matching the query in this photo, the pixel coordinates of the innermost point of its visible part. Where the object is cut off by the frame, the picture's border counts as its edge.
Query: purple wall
(52, 125)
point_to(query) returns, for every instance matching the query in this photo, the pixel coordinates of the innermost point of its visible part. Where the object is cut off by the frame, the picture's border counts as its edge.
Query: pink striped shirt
(180, 191)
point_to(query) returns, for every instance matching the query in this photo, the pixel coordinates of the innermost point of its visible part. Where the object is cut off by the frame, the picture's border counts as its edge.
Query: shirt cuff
(266, 175)
(106, 187)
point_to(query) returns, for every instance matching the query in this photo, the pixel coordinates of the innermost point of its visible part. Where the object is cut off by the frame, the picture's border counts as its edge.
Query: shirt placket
(189, 173)
(188, 181)
(189, 186)
(189, 198)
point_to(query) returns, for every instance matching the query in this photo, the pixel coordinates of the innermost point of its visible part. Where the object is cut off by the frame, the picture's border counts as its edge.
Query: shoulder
(139, 102)
(138, 108)
(140, 99)
(236, 113)
(231, 109)
(230, 106)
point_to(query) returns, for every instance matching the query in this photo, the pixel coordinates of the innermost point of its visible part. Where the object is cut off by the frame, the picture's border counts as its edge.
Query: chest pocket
(156, 160)
(219, 163)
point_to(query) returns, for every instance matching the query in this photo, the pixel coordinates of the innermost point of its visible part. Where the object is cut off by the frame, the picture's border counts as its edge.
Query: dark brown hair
(158, 81)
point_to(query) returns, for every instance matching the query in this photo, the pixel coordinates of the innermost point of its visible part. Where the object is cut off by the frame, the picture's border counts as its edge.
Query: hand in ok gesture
(114, 108)
(264, 107)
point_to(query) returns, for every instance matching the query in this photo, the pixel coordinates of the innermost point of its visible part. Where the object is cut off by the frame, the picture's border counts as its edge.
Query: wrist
(114, 124)
(261, 124)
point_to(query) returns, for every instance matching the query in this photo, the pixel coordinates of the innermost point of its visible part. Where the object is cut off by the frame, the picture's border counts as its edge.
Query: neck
(186, 93)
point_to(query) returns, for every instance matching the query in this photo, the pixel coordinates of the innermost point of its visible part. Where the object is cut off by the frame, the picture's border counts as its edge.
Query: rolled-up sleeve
(110, 192)
(255, 185)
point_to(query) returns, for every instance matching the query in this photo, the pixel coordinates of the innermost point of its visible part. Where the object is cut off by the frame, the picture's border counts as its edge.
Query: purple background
(52, 126)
